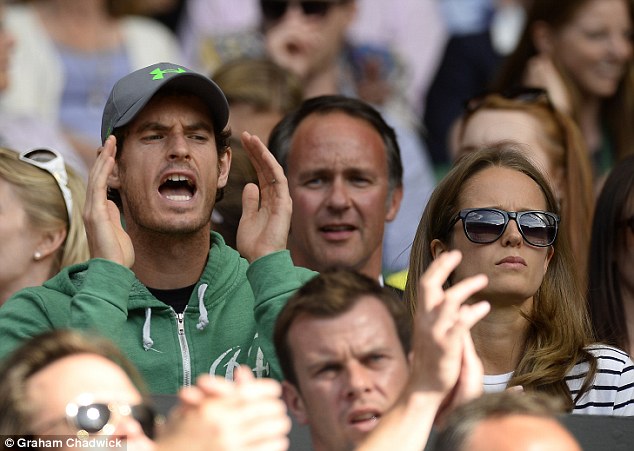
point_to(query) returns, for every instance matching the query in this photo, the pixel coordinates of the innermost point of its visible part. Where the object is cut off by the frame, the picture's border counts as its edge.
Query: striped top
(611, 393)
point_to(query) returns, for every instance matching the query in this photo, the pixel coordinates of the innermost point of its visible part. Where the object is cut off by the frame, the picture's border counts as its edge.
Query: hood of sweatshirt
(223, 273)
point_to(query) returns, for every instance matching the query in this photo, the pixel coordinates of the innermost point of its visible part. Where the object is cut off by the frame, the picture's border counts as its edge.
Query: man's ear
(294, 402)
(395, 203)
(224, 165)
(437, 248)
(114, 180)
(50, 241)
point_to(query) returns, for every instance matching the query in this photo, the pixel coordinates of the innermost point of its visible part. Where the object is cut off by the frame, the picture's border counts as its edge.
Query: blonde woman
(41, 203)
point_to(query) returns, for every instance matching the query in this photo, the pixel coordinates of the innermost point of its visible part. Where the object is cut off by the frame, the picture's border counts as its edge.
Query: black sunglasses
(100, 417)
(274, 10)
(522, 94)
(486, 225)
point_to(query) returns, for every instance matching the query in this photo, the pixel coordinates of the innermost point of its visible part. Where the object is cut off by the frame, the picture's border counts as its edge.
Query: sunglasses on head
(52, 162)
(274, 10)
(486, 225)
(522, 94)
(102, 418)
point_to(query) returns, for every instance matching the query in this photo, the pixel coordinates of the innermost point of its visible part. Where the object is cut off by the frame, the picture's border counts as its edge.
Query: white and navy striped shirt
(611, 392)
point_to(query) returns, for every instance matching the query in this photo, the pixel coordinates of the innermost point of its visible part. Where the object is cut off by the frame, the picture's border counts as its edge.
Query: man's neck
(370, 268)
(168, 261)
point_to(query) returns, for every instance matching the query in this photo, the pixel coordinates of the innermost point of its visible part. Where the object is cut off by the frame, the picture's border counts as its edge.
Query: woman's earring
(37, 256)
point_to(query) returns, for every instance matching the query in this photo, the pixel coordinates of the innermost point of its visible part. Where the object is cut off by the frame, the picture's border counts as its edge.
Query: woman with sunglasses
(611, 269)
(551, 139)
(65, 386)
(581, 51)
(41, 203)
(497, 208)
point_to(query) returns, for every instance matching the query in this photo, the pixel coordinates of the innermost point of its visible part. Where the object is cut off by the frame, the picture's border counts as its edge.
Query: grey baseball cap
(132, 92)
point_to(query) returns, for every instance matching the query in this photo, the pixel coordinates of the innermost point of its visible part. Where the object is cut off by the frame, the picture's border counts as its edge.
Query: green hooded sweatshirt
(228, 321)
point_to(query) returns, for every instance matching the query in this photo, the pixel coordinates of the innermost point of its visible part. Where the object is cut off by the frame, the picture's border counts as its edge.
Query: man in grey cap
(170, 293)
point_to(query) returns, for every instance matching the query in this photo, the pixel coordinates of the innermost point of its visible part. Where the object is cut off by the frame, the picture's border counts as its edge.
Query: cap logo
(159, 73)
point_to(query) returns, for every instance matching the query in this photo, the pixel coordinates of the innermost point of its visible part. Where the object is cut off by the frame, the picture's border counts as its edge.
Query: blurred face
(515, 268)
(18, 244)
(168, 172)
(521, 433)
(350, 369)
(338, 180)
(307, 43)
(596, 46)
(6, 44)
(488, 126)
(246, 117)
(83, 376)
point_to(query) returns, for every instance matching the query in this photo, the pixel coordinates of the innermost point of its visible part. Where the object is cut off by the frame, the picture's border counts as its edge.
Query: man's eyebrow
(151, 126)
(323, 362)
(201, 125)
(158, 126)
(311, 173)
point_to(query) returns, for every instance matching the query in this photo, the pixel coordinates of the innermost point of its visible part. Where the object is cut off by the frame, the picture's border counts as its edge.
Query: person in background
(227, 212)
(497, 208)
(344, 168)
(581, 52)
(65, 384)
(213, 32)
(506, 421)
(259, 94)
(6, 46)
(469, 64)
(551, 139)
(611, 266)
(68, 55)
(21, 131)
(41, 205)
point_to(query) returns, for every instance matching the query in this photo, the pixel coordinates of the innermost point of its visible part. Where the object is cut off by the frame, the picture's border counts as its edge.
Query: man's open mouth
(178, 188)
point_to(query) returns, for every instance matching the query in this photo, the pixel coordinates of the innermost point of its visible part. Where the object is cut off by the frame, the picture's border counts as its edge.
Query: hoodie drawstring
(203, 319)
(147, 340)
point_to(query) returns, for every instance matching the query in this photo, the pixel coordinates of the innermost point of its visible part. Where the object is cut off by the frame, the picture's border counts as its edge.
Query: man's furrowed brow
(154, 126)
(201, 125)
(158, 126)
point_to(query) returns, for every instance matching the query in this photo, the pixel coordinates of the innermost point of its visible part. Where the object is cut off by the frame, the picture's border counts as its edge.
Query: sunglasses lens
(539, 229)
(273, 10)
(92, 418)
(315, 8)
(484, 226)
(146, 418)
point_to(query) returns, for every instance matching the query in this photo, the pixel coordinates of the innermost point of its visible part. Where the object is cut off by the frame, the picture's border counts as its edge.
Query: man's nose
(339, 195)
(178, 146)
(359, 380)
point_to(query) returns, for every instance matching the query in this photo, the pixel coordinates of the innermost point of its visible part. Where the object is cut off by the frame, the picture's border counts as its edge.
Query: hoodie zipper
(182, 340)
